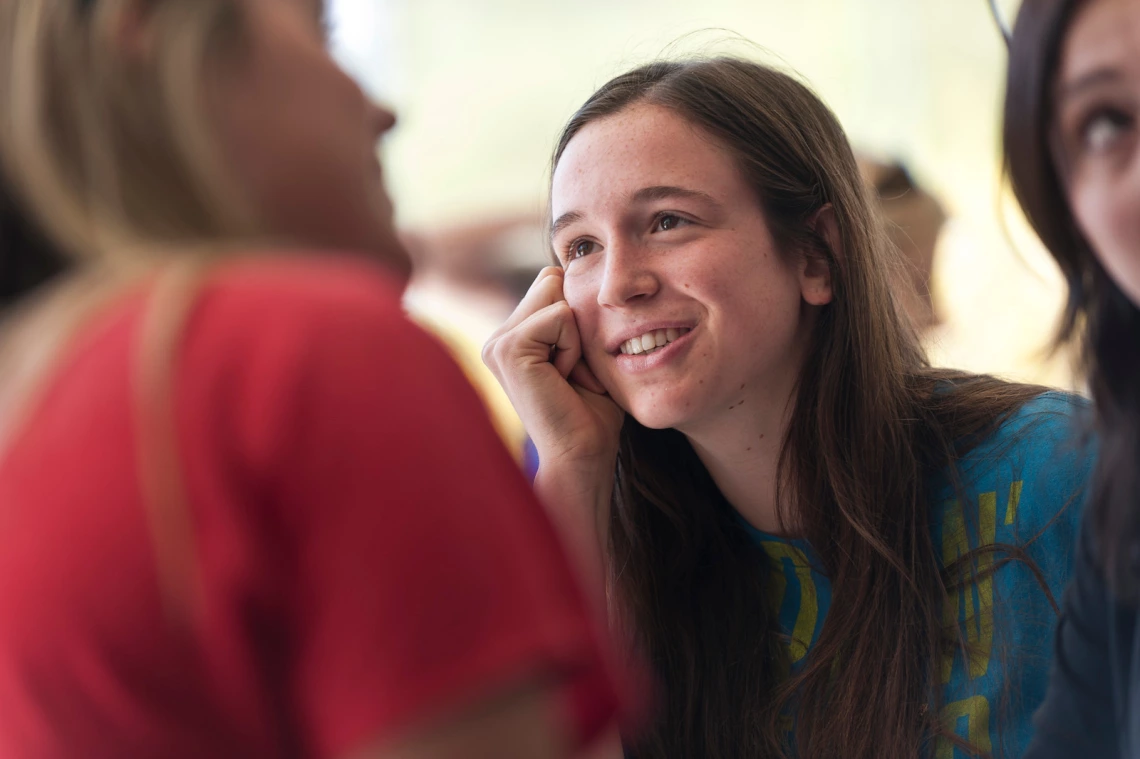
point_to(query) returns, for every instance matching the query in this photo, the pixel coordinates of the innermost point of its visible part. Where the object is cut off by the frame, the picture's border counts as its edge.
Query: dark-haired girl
(823, 546)
(1072, 150)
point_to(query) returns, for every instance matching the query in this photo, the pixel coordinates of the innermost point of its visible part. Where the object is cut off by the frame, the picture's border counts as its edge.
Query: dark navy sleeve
(1079, 717)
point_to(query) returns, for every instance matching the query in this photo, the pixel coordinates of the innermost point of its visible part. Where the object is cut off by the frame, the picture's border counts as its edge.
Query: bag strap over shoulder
(160, 470)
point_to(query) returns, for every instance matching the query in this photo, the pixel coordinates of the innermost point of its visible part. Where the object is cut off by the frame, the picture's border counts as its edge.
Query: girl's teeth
(651, 341)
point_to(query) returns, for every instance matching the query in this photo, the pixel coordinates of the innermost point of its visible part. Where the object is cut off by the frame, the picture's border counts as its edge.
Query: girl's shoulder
(1031, 471)
(1051, 433)
(1053, 412)
(1053, 429)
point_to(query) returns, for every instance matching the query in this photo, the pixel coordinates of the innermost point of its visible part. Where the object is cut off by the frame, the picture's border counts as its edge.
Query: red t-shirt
(368, 556)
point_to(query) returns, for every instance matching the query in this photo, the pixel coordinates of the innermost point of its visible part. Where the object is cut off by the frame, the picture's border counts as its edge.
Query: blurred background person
(247, 508)
(1073, 155)
(914, 221)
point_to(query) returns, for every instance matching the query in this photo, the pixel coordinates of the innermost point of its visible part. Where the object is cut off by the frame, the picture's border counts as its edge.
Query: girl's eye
(668, 221)
(1103, 129)
(580, 248)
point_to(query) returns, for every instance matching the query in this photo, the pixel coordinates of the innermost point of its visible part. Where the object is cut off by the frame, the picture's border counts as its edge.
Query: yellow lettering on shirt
(804, 631)
(976, 710)
(1014, 500)
(960, 608)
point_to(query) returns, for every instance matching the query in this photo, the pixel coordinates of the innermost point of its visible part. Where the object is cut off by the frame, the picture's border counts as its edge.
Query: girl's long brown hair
(872, 424)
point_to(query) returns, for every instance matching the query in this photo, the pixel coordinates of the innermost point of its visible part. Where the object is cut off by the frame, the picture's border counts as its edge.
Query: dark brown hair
(871, 424)
(1097, 313)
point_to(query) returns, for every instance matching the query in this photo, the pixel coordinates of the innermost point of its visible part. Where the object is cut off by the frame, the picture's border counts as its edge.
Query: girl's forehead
(639, 146)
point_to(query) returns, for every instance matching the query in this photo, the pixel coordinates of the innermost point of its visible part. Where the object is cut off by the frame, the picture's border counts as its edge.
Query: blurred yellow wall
(483, 86)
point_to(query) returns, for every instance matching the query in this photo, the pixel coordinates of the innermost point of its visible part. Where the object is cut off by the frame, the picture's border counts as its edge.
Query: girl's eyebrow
(665, 192)
(1098, 76)
(564, 221)
(644, 195)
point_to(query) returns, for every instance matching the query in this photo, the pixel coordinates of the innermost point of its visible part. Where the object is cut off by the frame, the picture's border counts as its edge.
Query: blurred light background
(481, 88)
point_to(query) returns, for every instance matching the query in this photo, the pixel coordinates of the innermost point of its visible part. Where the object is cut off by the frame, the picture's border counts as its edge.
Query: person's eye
(666, 222)
(580, 248)
(1103, 129)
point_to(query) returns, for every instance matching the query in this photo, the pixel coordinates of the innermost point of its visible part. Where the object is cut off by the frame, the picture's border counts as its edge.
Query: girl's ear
(815, 271)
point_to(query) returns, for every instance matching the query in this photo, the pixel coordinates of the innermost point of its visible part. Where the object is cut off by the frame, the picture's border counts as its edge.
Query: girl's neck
(741, 451)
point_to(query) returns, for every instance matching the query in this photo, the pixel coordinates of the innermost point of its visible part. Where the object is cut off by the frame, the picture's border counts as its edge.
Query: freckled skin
(717, 269)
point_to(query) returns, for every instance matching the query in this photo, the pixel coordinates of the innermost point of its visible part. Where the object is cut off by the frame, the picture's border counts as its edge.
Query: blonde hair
(108, 147)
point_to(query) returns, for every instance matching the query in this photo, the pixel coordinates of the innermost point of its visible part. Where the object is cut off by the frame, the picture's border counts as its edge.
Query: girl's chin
(656, 408)
(657, 418)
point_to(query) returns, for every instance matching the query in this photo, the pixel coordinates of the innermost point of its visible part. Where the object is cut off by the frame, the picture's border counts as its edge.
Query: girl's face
(1098, 105)
(686, 309)
(301, 135)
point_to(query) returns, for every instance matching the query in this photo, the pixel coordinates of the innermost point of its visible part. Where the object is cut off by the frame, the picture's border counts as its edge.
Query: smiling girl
(823, 546)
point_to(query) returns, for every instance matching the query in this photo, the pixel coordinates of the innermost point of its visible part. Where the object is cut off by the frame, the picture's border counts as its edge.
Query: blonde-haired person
(247, 508)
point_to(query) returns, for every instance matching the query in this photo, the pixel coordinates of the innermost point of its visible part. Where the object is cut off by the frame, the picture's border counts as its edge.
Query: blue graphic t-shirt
(1023, 487)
